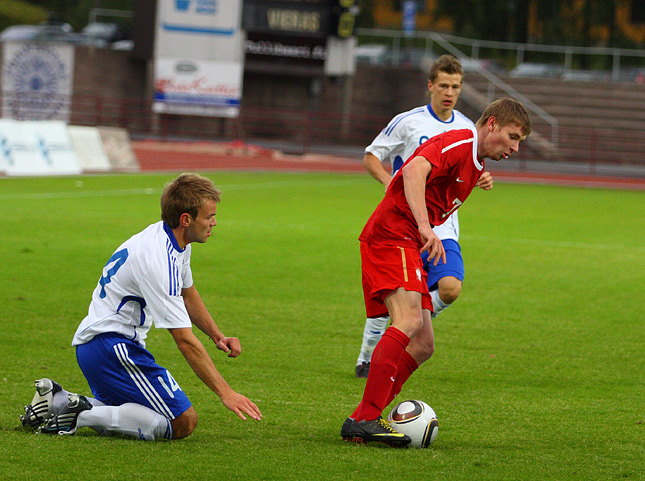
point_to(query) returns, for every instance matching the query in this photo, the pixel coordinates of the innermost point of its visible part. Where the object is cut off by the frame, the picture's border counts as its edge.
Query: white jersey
(140, 284)
(407, 131)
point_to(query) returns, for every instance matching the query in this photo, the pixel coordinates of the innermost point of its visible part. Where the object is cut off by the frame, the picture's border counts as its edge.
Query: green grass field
(539, 372)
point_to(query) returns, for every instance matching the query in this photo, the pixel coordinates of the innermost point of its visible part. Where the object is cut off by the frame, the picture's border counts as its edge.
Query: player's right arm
(387, 145)
(375, 168)
(415, 173)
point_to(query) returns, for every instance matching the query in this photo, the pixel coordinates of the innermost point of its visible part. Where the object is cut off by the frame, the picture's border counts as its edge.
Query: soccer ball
(417, 420)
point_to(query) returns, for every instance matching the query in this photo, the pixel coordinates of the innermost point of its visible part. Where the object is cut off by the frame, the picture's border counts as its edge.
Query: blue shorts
(454, 265)
(120, 371)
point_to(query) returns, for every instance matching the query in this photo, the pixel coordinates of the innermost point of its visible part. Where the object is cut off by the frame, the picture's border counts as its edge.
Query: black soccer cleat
(363, 370)
(377, 430)
(65, 422)
(41, 407)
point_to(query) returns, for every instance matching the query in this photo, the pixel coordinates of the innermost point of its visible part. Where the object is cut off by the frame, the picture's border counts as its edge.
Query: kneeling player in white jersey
(147, 280)
(396, 143)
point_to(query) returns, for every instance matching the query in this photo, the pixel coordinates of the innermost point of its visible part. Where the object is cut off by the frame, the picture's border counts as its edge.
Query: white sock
(437, 304)
(374, 329)
(130, 419)
(60, 400)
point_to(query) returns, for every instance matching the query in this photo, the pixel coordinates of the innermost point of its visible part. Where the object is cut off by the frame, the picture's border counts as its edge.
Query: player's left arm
(201, 318)
(485, 182)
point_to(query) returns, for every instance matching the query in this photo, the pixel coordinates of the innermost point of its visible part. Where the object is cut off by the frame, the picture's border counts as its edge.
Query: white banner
(197, 87)
(199, 57)
(37, 148)
(89, 149)
(200, 29)
(37, 81)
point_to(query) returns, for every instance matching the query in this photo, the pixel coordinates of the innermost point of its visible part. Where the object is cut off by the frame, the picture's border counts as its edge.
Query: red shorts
(385, 269)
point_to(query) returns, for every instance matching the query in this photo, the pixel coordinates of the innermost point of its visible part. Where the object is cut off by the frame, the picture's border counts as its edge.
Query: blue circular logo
(36, 81)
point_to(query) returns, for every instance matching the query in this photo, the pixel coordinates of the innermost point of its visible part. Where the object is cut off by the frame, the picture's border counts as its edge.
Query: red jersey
(455, 171)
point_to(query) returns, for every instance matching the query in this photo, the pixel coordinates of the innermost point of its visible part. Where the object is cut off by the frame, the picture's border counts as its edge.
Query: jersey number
(456, 203)
(173, 384)
(118, 258)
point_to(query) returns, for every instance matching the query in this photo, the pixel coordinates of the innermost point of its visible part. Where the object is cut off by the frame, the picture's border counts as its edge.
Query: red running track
(207, 156)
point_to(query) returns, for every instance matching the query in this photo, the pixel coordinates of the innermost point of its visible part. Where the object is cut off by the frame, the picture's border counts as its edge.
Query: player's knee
(422, 350)
(449, 291)
(184, 424)
(426, 350)
(411, 325)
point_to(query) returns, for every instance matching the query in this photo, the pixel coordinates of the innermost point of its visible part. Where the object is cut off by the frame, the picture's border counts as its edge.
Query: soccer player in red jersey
(431, 185)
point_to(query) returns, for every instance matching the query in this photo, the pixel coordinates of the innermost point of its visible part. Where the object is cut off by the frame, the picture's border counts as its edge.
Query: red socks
(407, 365)
(386, 359)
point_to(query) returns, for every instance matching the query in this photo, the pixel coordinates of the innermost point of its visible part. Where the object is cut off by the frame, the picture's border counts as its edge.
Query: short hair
(446, 63)
(507, 111)
(186, 194)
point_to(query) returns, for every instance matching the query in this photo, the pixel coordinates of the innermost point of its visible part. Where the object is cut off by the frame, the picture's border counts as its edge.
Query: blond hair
(507, 111)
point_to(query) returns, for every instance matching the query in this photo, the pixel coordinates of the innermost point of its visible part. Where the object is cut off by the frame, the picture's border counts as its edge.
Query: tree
(77, 12)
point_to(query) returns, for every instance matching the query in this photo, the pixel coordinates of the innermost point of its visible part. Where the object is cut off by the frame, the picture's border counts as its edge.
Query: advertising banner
(272, 53)
(199, 57)
(197, 87)
(199, 29)
(37, 148)
(89, 148)
(37, 81)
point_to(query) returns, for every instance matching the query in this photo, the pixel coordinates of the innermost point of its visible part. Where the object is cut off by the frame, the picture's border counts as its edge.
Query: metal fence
(556, 55)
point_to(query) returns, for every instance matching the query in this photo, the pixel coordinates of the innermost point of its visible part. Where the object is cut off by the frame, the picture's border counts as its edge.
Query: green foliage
(17, 12)
(76, 12)
(538, 372)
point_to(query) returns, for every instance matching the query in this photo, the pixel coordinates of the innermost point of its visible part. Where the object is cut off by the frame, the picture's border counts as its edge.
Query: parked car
(19, 33)
(473, 65)
(540, 70)
(43, 32)
(103, 34)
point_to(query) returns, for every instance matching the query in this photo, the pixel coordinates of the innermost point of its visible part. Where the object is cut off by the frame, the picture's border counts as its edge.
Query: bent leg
(421, 346)
(184, 424)
(130, 419)
(406, 314)
(449, 289)
(420, 349)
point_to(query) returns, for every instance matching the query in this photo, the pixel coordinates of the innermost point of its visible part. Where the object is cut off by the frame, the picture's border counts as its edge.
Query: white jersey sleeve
(392, 143)
(405, 133)
(141, 284)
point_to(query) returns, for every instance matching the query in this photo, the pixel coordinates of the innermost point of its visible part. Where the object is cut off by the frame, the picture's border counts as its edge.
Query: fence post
(567, 61)
(615, 70)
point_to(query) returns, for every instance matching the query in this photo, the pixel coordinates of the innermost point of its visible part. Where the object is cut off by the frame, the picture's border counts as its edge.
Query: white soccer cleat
(66, 421)
(41, 407)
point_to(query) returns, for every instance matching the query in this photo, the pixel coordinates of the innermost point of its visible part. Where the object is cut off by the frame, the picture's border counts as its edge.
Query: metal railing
(520, 49)
(494, 81)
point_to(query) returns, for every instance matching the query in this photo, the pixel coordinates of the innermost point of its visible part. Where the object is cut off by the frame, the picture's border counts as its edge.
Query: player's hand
(241, 405)
(485, 182)
(231, 345)
(433, 245)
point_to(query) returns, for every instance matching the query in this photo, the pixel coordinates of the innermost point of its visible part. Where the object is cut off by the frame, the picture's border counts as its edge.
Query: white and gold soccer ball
(417, 420)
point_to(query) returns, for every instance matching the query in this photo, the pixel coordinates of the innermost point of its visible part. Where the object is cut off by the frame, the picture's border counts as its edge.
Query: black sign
(283, 54)
(298, 18)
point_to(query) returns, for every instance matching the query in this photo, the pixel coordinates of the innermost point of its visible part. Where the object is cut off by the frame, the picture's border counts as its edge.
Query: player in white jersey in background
(396, 143)
(147, 280)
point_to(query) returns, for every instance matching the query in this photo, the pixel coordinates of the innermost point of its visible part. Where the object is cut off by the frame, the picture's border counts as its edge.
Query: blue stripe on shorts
(454, 265)
(119, 371)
